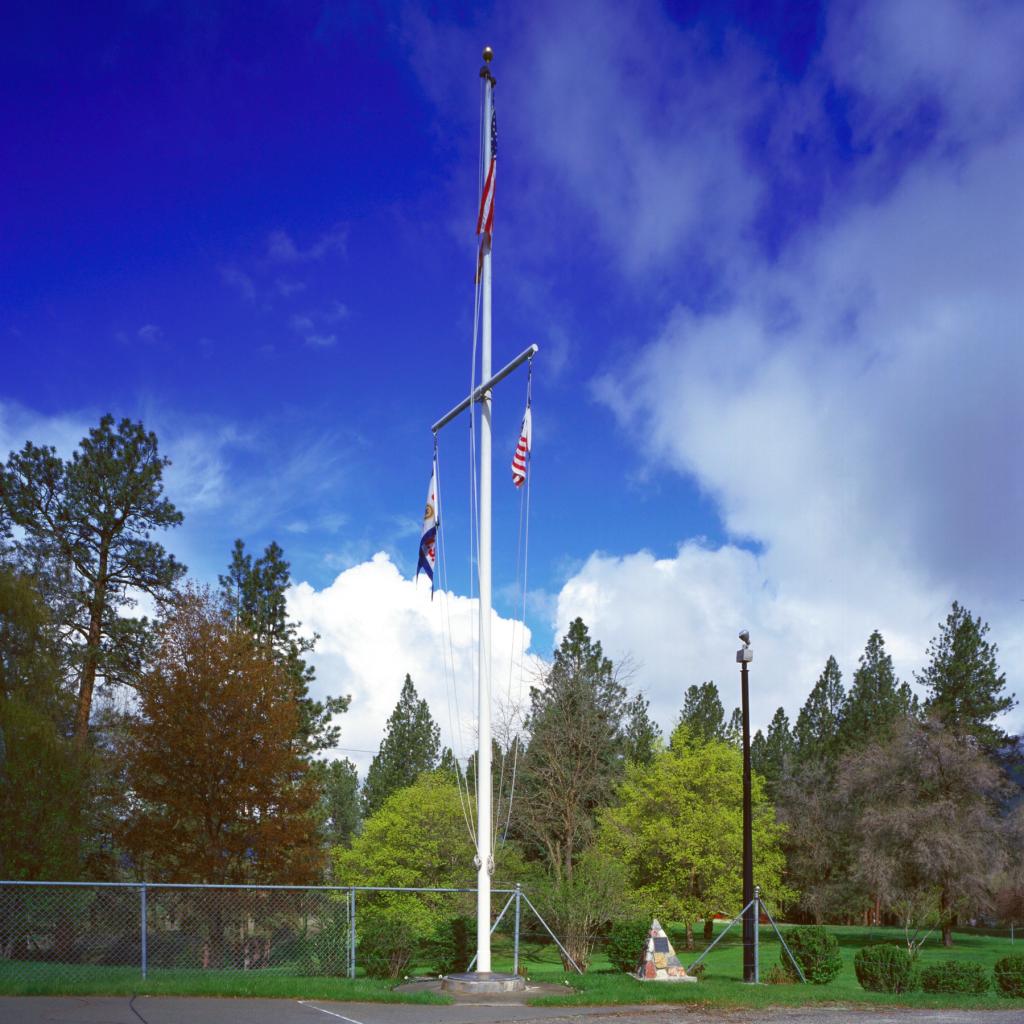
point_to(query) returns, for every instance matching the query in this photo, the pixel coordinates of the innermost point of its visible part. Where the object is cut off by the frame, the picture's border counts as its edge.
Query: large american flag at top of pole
(485, 218)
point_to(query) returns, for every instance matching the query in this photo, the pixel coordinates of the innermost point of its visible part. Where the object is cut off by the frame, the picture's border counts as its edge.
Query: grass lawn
(21, 978)
(721, 984)
(602, 985)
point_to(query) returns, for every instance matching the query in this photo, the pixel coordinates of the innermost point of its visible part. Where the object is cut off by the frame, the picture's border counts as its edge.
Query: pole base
(482, 982)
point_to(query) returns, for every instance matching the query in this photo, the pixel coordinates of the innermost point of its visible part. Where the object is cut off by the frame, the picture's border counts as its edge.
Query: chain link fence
(75, 930)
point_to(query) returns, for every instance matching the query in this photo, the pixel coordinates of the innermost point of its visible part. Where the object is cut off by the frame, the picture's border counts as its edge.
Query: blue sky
(770, 252)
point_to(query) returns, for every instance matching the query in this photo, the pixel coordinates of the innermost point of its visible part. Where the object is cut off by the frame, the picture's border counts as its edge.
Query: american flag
(485, 218)
(522, 454)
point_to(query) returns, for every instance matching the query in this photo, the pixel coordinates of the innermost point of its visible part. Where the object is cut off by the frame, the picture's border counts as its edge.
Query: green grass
(602, 985)
(721, 984)
(25, 978)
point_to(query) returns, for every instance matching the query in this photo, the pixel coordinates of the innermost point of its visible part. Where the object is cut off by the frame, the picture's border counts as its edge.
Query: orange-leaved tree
(220, 786)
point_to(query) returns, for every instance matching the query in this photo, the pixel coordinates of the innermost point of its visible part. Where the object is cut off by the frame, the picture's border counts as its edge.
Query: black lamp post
(745, 656)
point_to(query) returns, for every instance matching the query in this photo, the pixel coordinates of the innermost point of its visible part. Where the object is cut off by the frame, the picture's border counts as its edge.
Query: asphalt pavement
(174, 1010)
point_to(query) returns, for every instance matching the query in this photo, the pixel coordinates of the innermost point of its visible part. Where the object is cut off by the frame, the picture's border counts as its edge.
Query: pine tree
(575, 753)
(338, 782)
(641, 734)
(702, 716)
(733, 732)
(876, 699)
(255, 592)
(817, 726)
(771, 755)
(966, 689)
(411, 745)
(87, 524)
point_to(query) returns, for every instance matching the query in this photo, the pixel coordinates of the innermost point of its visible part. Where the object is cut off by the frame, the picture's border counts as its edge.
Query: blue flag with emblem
(428, 539)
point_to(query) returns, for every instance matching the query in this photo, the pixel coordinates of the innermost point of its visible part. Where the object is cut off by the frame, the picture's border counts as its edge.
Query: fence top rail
(216, 885)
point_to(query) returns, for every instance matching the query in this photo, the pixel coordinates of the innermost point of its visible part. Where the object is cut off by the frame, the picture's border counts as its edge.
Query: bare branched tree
(928, 821)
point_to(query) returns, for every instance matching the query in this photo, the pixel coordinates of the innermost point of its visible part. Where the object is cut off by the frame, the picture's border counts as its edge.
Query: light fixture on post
(744, 656)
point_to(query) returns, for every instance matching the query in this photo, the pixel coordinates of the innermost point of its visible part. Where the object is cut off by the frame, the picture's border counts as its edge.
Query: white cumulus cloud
(375, 626)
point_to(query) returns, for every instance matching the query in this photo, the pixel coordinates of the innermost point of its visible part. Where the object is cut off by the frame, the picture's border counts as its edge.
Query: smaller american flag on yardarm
(522, 455)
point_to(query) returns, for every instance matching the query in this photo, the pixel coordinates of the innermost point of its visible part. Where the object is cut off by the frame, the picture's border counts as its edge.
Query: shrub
(626, 942)
(885, 968)
(450, 949)
(384, 950)
(777, 976)
(324, 953)
(955, 976)
(1009, 976)
(817, 952)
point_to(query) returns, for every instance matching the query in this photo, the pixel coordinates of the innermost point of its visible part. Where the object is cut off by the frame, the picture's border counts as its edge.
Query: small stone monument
(659, 961)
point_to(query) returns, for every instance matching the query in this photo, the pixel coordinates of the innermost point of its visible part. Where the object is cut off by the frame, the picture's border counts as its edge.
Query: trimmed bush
(816, 950)
(1009, 976)
(955, 976)
(885, 968)
(626, 943)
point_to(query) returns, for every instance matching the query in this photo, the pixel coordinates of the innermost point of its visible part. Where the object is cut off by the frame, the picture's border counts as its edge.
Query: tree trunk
(88, 681)
(689, 935)
(947, 918)
(92, 655)
(709, 929)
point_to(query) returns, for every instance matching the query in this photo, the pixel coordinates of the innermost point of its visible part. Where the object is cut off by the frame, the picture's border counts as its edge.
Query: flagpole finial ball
(488, 54)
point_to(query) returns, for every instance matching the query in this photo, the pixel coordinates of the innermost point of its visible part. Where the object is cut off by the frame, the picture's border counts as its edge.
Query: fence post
(352, 932)
(515, 941)
(143, 915)
(757, 934)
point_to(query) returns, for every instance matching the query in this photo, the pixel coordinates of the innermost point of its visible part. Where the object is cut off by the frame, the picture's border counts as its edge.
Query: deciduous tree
(41, 773)
(222, 792)
(677, 828)
(926, 801)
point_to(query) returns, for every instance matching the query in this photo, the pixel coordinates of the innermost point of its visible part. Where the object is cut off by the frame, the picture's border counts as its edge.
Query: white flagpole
(484, 830)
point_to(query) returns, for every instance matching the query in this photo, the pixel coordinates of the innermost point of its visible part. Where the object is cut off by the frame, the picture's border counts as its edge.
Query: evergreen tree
(574, 758)
(411, 745)
(255, 592)
(817, 726)
(966, 690)
(703, 716)
(641, 734)
(733, 732)
(87, 524)
(448, 765)
(339, 800)
(876, 699)
(771, 755)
